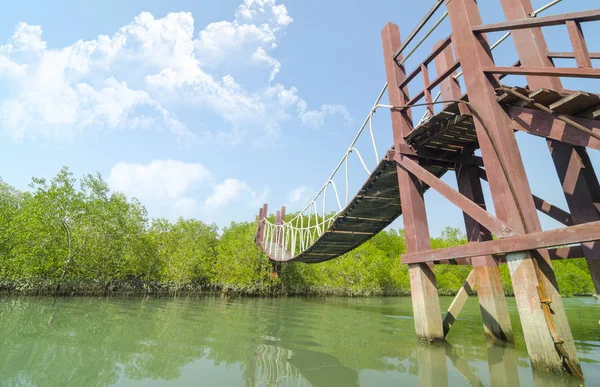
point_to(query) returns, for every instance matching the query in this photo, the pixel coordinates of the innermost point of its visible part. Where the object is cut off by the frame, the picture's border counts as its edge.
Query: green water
(263, 342)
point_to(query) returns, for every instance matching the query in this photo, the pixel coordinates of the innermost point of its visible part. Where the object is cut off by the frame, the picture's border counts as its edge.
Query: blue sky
(208, 109)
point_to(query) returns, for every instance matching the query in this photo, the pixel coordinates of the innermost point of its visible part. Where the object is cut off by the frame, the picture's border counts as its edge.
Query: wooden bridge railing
(521, 243)
(580, 51)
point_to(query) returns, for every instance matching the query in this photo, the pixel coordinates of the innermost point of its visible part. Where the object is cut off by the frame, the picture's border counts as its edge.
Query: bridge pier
(533, 279)
(424, 294)
(492, 303)
(573, 166)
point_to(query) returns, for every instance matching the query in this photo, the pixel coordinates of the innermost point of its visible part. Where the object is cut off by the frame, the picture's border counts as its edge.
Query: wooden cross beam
(546, 125)
(580, 233)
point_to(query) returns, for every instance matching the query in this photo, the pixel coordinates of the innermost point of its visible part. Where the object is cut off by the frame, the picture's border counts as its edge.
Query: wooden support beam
(258, 226)
(449, 87)
(573, 166)
(552, 211)
(459, 301)
(483, 217)
(424, 294)
(544, 71)
(510, 190)
(582, 192)
(430, 86)
(443, 44)
(555, 253)
(580, 233)
(542, 21)
(546, 125)
(428, 99)
(582, 55)
(569, 252)
(486, 274)
(406, 150)
(265, 213)
(570, 55)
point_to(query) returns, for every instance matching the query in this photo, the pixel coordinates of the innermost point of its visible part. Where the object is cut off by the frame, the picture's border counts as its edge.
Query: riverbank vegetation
(69, 237)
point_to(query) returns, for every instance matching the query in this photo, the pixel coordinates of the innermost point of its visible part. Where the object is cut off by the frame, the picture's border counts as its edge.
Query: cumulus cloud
(168, 181)
(177, 188)
(231, 191)
(316, 118)
(299, 195)
(139, 76)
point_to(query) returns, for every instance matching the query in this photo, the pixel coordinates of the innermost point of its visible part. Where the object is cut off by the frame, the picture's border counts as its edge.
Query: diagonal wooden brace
(553, 211)
(543, 206)
(480, 215)
(459, 301)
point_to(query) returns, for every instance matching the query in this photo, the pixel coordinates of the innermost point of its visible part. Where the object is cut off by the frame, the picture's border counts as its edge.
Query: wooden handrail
(545, 71)
(570, 55)
(553, 20)
(427, 60)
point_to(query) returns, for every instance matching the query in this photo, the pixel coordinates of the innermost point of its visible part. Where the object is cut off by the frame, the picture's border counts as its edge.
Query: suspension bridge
(470, 106)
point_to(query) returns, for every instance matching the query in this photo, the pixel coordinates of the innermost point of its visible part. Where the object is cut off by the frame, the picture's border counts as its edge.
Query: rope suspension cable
(309, 233)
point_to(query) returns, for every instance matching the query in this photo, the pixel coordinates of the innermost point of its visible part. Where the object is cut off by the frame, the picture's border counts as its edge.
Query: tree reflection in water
(257, 342)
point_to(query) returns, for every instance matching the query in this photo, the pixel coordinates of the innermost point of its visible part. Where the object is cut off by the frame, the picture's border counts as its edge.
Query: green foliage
(64, 237)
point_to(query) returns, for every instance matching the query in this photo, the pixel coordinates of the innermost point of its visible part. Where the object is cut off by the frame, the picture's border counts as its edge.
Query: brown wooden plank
(545, 96)
(580, 233)
(592, 113)
(575, 103)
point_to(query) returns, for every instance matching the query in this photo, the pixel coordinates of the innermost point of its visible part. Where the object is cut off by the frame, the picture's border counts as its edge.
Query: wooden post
(575, 171)
(492, 304)
(262, 229)
(258, 226)
(281, 221)
(425, 298)
(511, 194)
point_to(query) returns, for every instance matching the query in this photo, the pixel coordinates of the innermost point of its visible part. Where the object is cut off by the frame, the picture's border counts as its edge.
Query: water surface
(264, 342)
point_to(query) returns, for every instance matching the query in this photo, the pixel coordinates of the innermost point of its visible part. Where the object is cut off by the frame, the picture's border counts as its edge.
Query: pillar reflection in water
(273, 365)
(431, 359)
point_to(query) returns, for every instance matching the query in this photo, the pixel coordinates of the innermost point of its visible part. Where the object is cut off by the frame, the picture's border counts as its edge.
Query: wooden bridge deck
(446, 134)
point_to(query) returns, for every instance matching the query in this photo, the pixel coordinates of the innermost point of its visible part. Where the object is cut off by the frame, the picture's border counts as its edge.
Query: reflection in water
(258, 342)
(276, 366)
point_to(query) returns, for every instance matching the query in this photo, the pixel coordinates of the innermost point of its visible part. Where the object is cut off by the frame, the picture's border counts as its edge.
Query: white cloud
(232, 191)
(137, 77)
(316, 118)
(167, 181)
(175, 188)
(299, 195)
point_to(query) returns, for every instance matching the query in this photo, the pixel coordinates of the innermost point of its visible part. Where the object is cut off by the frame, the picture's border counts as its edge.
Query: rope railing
(285, 240)
(310, 223)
